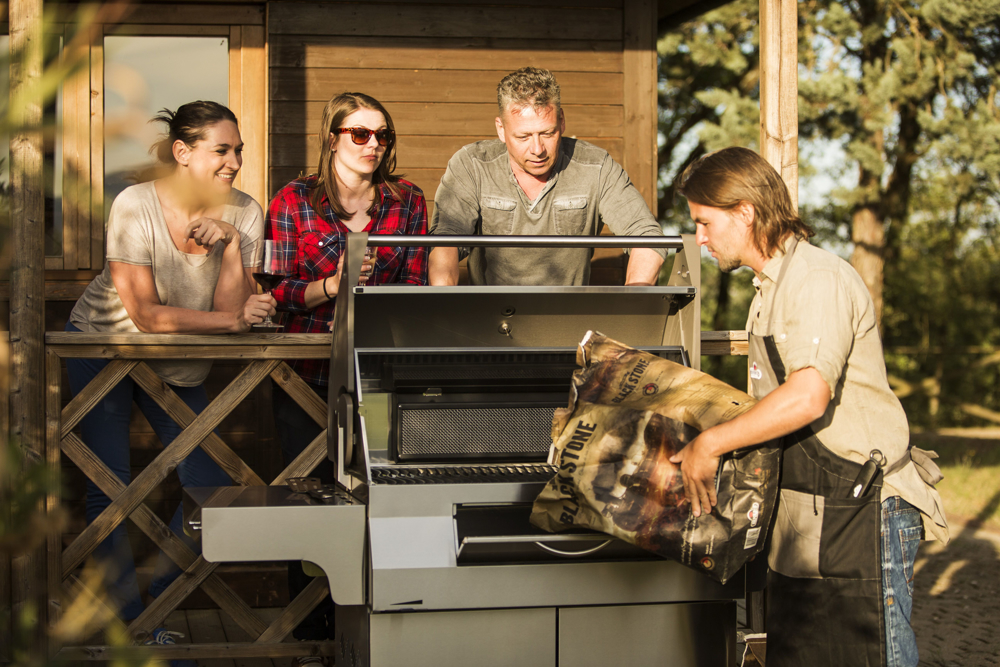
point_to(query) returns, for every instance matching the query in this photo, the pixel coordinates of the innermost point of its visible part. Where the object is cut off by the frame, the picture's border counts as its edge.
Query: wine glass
(367, 274)
(268, 281)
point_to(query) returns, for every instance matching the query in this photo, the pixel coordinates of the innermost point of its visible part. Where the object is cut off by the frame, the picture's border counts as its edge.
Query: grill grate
(510, 474)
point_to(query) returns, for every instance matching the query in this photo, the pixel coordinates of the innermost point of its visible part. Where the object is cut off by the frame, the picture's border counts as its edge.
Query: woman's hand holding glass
(257, 310)
(268, 278)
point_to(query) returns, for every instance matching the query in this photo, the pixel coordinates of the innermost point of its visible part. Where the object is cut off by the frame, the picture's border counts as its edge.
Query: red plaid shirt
(308, 247)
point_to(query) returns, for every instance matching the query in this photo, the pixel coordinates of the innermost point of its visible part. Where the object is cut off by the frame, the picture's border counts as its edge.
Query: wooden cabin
(435, 66)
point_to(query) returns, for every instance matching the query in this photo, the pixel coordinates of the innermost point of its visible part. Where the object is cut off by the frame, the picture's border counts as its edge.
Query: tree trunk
(868, 235)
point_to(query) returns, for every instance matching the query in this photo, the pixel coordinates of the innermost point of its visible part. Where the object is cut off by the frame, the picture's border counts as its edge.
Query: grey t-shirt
(479, 195)
(137, 234)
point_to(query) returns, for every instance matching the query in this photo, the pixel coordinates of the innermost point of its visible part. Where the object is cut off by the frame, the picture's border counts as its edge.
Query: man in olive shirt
(533, 181)
(844, 541)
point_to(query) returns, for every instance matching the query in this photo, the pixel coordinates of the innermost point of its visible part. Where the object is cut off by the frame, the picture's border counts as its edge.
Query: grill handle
(573, 554)
(487, 241)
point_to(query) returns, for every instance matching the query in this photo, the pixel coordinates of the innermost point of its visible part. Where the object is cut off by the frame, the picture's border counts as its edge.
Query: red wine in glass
(268, 281)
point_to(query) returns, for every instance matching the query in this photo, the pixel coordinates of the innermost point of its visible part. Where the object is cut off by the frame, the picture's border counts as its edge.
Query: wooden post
(779, 141)
(27, 293)
(779, 89)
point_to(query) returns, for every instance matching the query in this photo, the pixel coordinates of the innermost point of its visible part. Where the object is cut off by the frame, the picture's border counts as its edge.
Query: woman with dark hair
(353, 190)
(180, 253)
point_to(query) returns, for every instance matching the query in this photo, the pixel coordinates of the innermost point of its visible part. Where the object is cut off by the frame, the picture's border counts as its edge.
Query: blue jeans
(105, 431)
(902, 530)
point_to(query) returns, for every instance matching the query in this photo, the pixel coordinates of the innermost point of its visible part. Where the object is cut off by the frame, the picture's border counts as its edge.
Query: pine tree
(896, 83)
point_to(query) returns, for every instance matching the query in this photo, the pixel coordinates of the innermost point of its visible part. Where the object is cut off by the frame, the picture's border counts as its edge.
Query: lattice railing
(128, 353)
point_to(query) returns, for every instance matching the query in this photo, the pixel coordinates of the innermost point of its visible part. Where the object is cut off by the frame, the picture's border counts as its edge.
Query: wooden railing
(127, 353)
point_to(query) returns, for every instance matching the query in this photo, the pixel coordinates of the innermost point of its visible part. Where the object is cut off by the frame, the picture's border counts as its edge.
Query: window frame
(83, 122)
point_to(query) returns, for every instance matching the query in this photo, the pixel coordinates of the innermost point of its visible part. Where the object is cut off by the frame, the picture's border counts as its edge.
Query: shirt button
(320, 244)
(815, 341)
(782, 336)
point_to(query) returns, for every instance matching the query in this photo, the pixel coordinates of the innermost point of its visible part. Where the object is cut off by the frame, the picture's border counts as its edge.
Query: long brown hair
(337, 109)
(727, 177)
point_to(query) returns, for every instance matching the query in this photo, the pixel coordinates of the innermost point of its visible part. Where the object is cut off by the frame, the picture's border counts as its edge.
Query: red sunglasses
(361, 135)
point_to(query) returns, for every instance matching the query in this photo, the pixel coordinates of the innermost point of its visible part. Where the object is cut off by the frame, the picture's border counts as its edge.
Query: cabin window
(98, 132)
(142, 75)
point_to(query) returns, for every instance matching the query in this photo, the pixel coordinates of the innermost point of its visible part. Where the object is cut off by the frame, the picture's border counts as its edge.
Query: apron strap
(897, 465)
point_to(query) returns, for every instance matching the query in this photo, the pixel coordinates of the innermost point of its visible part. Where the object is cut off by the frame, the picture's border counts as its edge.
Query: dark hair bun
(188, 124)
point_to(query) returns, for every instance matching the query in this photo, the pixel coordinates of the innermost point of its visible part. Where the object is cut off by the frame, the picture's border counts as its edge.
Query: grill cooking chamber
(441, 406)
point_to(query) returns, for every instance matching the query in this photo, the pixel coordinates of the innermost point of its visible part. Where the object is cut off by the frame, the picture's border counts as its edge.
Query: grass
(971, 485)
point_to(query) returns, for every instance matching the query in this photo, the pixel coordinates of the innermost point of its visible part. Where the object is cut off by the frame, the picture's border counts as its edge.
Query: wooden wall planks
(428, 85)
(436, 66)
(640, 89)
(477, 53)
(541, 21)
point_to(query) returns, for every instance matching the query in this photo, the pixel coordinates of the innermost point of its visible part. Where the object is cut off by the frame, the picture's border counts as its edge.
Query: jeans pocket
(909, 542)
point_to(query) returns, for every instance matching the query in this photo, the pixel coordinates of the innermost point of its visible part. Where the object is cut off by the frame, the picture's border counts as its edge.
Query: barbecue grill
(441, 404)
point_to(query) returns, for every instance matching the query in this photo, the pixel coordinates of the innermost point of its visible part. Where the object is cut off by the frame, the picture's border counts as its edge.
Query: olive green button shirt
(587, 188)
(823, 318)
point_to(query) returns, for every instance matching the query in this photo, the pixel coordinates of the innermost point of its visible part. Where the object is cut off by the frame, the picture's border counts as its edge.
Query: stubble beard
(729, 264)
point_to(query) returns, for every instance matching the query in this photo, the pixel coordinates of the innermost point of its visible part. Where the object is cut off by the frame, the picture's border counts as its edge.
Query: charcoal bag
(629, 412)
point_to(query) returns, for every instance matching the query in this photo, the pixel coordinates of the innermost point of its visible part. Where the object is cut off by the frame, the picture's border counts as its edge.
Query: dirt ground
(956, 606)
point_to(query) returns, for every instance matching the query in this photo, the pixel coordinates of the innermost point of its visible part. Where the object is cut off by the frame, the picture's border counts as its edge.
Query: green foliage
(708, 87)
(25, 483)
(907, 92)
(893, 83)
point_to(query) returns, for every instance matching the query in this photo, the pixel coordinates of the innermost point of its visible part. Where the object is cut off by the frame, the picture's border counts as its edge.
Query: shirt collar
(772, 269)
(385, 195)
(560, 165)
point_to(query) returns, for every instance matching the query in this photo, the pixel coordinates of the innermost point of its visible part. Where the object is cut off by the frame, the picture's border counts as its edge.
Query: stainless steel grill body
(441, 405)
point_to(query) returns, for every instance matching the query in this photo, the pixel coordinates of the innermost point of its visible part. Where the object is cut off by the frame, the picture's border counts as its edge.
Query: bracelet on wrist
(328, 297)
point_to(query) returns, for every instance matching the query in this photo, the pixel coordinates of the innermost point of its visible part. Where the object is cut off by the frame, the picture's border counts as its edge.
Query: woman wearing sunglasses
(308, 219)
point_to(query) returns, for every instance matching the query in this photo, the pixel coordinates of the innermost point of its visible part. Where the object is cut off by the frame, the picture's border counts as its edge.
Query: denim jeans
(296, 429)
(902, 530)
(105, 431)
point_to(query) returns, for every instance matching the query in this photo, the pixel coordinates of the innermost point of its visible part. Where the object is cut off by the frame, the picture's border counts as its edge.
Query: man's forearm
(643, 267)
(800, 401)
(442, 266)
